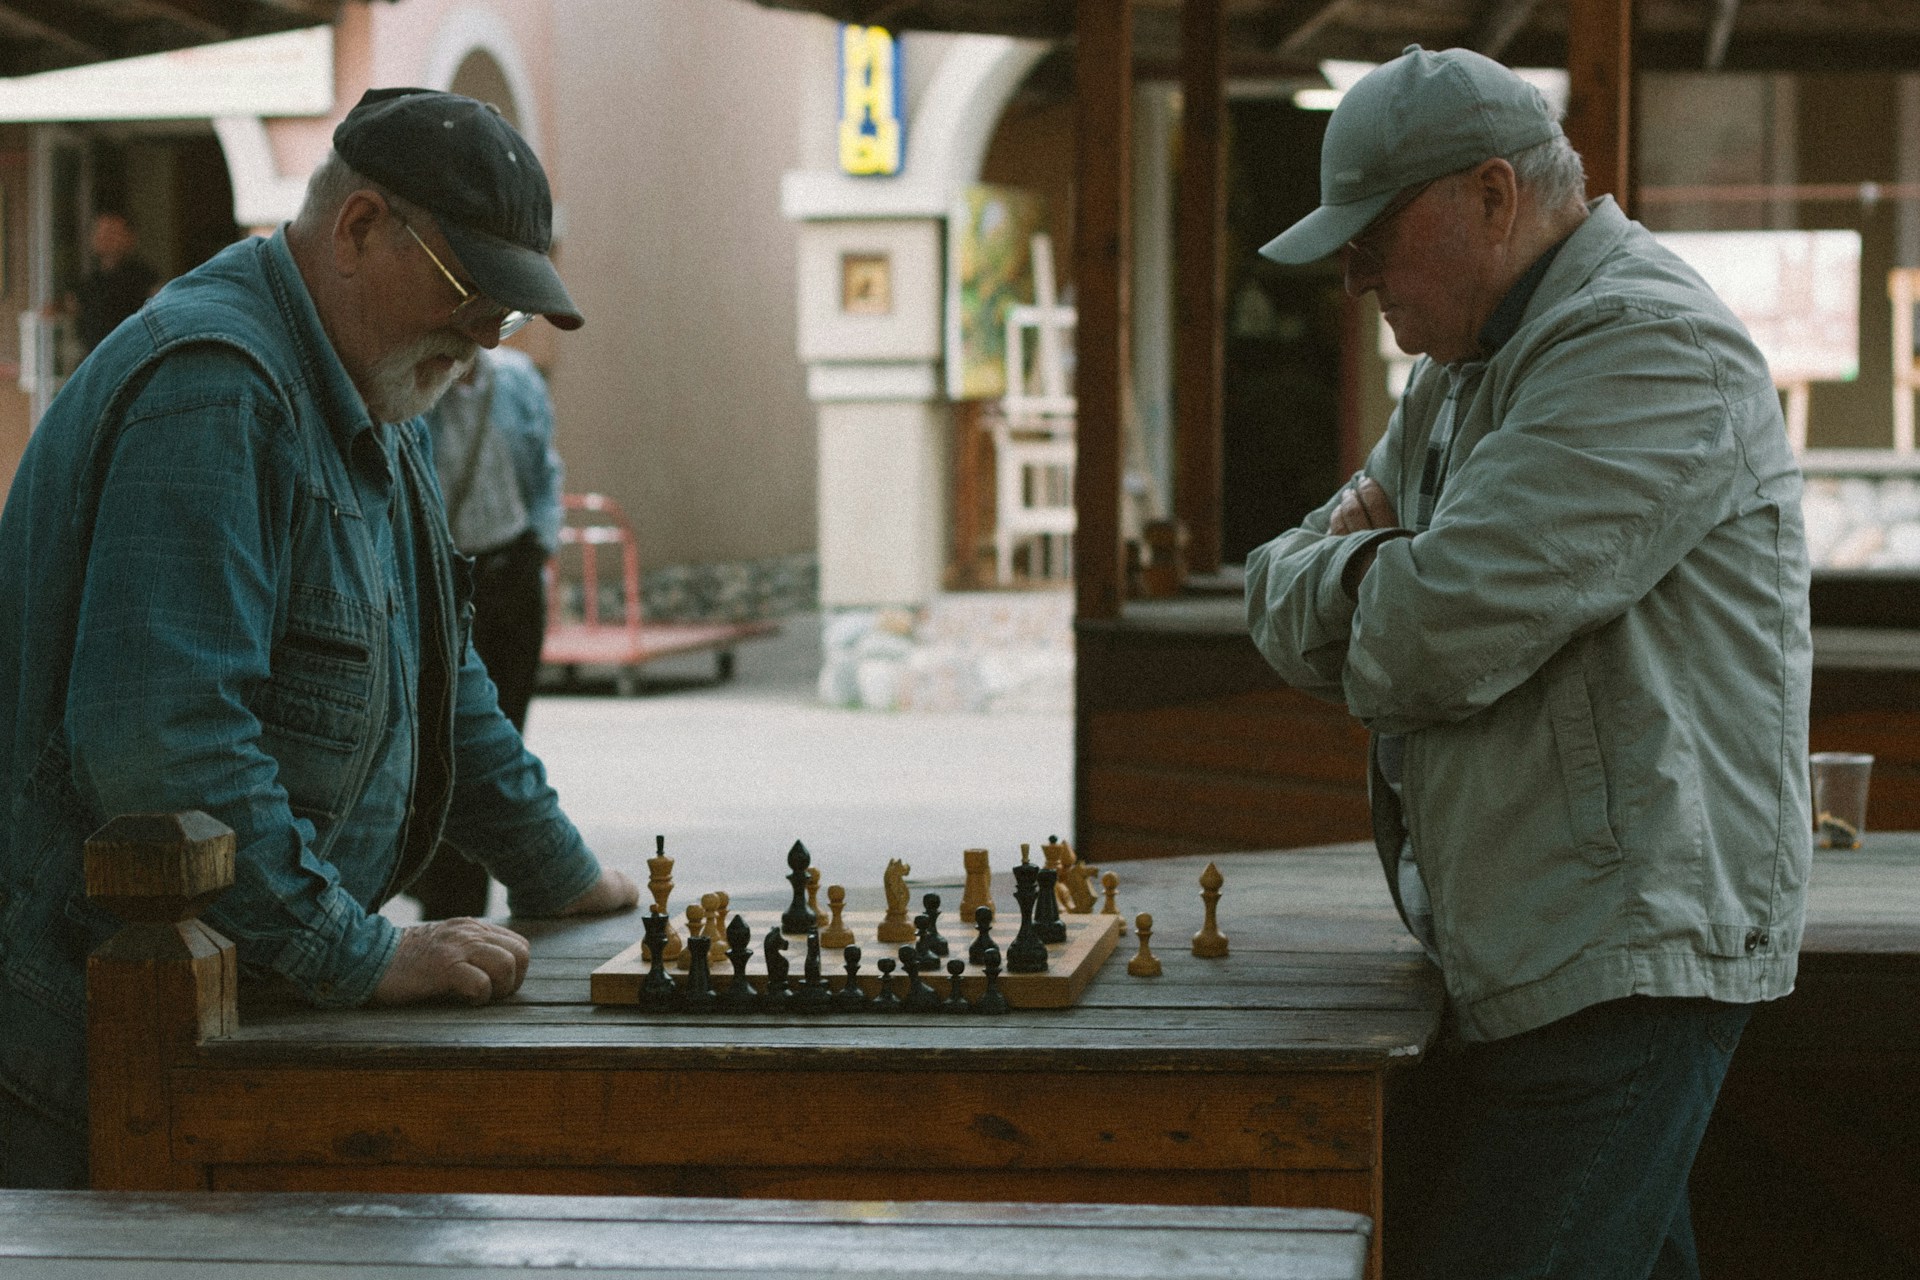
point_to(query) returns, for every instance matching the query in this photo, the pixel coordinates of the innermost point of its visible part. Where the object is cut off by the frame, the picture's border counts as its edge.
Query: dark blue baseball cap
(459, 159)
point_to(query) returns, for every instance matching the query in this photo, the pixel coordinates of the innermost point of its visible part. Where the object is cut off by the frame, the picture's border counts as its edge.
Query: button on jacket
(1598, 654)
(224, 587)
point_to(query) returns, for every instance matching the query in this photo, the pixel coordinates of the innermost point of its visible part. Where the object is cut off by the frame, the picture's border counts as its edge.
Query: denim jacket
(224, 587)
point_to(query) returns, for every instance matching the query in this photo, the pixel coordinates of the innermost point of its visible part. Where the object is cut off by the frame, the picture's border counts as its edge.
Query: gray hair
(328, 189)
(1552, 171)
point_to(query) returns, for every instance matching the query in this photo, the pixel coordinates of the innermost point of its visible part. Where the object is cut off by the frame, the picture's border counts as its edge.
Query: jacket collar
(339, 400)
(1579, 256)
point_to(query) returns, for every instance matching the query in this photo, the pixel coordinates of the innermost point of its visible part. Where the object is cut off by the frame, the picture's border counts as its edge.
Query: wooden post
(1600, 94)
(155, 989)
(1200, 280)
(1103, 147)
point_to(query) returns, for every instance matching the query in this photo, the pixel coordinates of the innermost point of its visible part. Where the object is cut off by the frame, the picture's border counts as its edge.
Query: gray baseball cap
(1420, 117)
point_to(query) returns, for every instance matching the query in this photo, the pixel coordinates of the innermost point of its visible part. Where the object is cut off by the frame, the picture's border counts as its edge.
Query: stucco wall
(683, 397)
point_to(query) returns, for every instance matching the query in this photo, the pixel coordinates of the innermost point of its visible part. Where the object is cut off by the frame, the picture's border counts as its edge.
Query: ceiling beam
(1720, 31)
(79, 39)
(1322, 13)
(1500, 21)
(187, 15)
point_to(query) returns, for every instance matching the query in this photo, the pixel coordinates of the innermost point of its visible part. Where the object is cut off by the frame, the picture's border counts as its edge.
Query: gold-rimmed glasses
(1367, 252)
(508, 320)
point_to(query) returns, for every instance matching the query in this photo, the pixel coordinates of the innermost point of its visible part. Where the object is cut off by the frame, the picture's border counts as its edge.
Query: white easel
(1033, 435)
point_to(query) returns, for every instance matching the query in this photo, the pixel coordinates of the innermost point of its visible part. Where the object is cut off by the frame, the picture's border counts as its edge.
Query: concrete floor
(732, 774)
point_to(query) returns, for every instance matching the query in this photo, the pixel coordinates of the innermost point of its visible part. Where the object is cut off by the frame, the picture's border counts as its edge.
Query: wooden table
(1253, 1080)
(52, 1235)
(1811, 1167)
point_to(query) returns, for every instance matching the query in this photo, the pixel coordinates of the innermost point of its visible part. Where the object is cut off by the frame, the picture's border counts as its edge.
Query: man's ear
(1498, 190)
(353, 230)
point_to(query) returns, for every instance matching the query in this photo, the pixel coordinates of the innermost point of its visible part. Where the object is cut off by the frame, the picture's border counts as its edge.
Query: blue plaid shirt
(226, 588)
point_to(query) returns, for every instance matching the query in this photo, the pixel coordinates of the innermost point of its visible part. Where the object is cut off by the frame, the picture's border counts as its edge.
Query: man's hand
(614, 891)
(470, 961)
(1363, 505)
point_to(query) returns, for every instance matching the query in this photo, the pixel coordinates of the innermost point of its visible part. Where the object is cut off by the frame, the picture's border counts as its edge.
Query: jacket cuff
(1350, 575)
(554, 877)
(338, 965)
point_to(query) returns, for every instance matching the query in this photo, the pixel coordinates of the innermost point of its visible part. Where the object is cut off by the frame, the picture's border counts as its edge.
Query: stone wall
(967, 651)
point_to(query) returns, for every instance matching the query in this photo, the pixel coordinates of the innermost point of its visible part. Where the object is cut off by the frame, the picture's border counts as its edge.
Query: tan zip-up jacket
(1599, 652)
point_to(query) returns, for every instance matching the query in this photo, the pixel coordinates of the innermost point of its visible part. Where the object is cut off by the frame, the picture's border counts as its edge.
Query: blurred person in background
(501, 478)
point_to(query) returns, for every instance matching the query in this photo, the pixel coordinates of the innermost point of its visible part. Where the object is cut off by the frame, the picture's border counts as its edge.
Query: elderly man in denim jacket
(230, 587)
(1568, 596)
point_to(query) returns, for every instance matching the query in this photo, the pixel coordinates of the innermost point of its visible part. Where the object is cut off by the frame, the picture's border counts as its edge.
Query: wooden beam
(1103, 160)
(1600, 94)
(1720, 31)
(193, 16)
(88, 39)
(1499, 23)
(1200, 280)
(1311, 25)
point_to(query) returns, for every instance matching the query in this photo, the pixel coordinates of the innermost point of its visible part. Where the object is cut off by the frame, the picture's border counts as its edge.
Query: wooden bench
(54, 1235)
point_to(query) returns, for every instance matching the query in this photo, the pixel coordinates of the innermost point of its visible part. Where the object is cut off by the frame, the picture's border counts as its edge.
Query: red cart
(578, 636)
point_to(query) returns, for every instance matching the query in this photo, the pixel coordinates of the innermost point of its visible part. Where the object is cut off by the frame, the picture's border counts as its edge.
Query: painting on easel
(989, 271)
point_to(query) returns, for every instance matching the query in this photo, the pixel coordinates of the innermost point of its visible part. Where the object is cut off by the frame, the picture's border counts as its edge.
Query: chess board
(1070, 964)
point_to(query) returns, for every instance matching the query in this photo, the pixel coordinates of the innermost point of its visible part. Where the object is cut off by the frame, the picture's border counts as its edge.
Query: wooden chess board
(1070, 964)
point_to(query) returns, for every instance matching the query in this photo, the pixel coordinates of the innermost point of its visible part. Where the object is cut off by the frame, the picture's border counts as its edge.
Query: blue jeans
(1562, 1153)
(38, 1153)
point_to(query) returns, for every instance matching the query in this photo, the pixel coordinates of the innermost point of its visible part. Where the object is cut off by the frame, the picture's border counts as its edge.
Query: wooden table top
(1321, 976)
(53, 1235)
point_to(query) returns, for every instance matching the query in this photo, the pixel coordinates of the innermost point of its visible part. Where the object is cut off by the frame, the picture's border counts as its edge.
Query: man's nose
(484, 330)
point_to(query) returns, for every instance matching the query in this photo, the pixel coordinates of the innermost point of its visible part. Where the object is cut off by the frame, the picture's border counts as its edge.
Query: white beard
(395, 391)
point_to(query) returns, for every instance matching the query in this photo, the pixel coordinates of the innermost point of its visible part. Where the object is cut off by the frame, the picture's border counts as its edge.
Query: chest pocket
(316, 709)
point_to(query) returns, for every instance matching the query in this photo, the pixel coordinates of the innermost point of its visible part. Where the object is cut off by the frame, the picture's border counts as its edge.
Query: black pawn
(886, 1001)
(992, 1000)
(983, 922)
(739, 997)
(851, 998)
(814, 996)
(776, 997)
(923, 926)
(658, 991)
(921, 998)
(956, 1001)
(1028, 954)
(799, 918)
(1046, 911)
(934, 944)
(699, 996)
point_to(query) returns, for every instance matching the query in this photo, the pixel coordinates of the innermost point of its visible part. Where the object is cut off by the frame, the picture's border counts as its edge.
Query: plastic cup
(1840, 797)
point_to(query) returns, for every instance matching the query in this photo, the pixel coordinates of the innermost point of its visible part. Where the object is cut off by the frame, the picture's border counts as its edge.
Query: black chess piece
(798, 918)
(776, 997)
(851, 997)
(923, 926)
(699, 996)
(886, 1001)
(956, 1001)
(992, 1000)
(814, 996)
(921, 998)
(935, 944)
(1046, 909)
(658, 990)
(983, 922)
(739, 997)
(1027, 954)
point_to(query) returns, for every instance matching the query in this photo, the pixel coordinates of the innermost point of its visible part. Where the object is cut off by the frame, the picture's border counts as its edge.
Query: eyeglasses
(1368, 250)
(486, 312)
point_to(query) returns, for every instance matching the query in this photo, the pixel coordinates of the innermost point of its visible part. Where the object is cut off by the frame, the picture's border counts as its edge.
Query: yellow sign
(870, 132)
